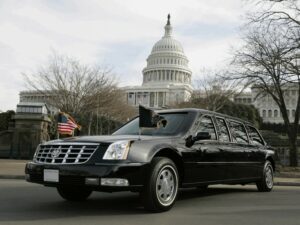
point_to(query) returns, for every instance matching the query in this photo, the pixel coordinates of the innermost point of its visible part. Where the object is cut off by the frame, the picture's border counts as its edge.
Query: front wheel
(266, 183)
(74, 193)
(161, 188)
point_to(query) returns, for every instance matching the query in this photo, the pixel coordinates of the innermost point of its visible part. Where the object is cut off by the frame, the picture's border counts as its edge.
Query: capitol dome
(166, 78)
(167, 63)
(167, 43)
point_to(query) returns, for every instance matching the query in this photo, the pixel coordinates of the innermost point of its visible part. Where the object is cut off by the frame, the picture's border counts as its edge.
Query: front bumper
(75, 174)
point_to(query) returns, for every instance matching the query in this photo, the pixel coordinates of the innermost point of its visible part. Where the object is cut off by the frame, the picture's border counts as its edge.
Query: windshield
(176, 123)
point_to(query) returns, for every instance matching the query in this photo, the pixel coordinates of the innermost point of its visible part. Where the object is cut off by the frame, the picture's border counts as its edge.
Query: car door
(239, 166)
(207, 154)
(257, 146)
(226, 147)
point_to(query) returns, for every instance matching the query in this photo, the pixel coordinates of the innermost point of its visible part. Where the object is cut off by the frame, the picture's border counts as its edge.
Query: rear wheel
(266, 183)
(161, 188)
(74, 193)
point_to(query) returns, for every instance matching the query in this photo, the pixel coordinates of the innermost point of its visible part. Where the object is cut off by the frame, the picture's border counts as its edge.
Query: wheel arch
(270, 158)
(175, 157)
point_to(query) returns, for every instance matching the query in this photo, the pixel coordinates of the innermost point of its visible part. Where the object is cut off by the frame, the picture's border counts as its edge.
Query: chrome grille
(74, 153)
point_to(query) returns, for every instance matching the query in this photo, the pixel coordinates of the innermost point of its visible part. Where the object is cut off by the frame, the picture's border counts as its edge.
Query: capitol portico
(166, 78)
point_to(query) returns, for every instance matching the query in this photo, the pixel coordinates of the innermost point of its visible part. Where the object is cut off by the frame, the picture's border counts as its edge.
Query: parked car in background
(193, 148)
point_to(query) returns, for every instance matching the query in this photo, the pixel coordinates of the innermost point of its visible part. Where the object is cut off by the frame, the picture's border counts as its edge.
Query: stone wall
(21, 139)
(5, 143)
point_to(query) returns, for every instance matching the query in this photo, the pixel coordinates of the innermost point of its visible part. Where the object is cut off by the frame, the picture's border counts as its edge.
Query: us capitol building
(166, 78)
(167, 81)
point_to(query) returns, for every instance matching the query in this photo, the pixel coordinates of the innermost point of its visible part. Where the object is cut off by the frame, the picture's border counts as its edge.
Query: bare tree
(79, 89)
(212, 90)
(269, 60)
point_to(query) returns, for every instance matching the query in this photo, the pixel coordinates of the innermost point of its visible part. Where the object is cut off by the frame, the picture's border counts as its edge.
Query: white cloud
(213, 54)
(119, 33)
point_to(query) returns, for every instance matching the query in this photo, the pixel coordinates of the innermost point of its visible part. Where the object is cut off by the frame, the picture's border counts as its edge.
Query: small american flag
(66, 124)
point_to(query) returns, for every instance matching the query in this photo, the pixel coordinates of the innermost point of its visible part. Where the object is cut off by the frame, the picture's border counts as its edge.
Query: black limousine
(194, 148)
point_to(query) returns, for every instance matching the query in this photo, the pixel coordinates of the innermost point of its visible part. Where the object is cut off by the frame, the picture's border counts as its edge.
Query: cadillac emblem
(55, 153)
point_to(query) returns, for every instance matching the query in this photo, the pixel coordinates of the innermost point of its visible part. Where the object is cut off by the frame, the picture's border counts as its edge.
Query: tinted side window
(206, 125)
(223, 130)
(254, 136)
(238, 132)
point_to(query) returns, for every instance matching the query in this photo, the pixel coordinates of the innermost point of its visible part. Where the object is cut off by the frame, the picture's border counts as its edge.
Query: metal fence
(283, 155)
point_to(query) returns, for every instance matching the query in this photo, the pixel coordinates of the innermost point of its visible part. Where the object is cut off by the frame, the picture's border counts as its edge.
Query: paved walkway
(14, 169)
(11, 168)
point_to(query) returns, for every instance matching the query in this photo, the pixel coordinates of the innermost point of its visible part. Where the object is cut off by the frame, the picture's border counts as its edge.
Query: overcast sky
(115, 33)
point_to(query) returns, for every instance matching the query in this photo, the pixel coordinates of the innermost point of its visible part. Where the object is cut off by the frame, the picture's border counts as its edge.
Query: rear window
(254, 136)
(238, 132)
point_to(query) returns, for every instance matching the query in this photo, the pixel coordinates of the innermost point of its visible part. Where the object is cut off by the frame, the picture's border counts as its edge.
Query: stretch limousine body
(195, 148)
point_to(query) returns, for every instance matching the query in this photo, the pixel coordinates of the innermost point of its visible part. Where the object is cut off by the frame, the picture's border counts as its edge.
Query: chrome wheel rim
(166, 185)
(269, 176)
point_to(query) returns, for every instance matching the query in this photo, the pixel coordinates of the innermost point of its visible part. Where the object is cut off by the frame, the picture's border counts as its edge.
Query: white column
(148, 97)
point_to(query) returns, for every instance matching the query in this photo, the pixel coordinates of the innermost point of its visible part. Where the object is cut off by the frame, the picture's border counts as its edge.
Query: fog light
(91, 181)
(114, 182)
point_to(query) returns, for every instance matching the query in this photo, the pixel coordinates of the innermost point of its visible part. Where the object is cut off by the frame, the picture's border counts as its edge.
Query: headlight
(117, 150)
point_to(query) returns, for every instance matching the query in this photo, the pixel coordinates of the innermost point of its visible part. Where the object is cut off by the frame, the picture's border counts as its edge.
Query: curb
(295, 184)
(288, 176)
(16, 177)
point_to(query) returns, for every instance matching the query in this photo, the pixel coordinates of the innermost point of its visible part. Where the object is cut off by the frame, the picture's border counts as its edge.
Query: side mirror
(190, 140)
(202, 136)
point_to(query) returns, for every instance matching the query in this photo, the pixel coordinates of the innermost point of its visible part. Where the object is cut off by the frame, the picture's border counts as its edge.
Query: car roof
(203, 111)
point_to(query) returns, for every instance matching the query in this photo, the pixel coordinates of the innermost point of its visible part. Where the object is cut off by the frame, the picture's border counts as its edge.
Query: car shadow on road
(191, 193)
(53, 207)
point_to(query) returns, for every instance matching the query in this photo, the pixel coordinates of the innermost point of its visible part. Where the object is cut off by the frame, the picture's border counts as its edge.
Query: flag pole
(140, 132)
(57, 125)
(140, 129)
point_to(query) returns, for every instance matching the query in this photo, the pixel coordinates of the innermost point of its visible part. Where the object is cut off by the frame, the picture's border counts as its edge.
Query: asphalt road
(25, 203)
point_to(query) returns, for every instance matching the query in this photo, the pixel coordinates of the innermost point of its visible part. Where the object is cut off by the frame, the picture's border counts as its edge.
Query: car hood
(107, 138)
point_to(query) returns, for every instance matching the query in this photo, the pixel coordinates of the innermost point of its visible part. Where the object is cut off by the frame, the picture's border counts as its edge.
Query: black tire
(266, 183)
(74, 193)
(161, 188)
